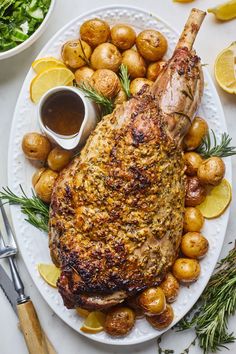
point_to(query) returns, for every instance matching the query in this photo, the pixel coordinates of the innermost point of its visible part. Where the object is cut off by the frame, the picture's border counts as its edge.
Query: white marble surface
(212, 38)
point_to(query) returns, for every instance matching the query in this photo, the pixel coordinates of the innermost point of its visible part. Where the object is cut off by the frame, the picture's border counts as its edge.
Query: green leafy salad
(19, 19)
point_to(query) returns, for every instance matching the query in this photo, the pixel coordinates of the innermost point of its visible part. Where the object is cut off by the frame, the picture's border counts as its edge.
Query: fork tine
(11, 239)
(2, 243)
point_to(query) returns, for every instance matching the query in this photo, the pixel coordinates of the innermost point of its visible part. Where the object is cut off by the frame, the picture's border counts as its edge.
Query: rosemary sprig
(107, 105)
(84, 56)
(124, 79)
(209, 146)
(35, 209)
(210, 315)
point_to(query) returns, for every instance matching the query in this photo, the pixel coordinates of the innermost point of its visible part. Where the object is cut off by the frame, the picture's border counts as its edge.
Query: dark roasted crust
(116, 213)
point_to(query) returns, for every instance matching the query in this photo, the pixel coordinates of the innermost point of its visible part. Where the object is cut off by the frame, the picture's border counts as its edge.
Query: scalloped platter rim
(33, 244)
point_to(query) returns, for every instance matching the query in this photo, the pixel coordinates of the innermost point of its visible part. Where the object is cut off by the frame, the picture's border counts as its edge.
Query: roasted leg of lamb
(116, 214)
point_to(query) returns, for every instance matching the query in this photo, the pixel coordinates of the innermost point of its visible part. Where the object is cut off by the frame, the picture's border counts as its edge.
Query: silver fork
(36, 340)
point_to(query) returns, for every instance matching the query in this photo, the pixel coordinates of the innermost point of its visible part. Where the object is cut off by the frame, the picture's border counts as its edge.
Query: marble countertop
(212, 39)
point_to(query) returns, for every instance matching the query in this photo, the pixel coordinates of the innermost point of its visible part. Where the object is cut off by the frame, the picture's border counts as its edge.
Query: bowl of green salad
(21, 23)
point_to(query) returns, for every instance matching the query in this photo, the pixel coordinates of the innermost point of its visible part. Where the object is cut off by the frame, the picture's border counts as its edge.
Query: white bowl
(16, 50)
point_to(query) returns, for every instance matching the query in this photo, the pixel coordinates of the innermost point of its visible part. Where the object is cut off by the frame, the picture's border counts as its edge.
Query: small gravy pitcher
(66, 116)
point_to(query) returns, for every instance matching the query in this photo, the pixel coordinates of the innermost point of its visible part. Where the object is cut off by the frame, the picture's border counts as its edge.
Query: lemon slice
(216, 201)
(48, 79)
(50, 273)
(82, 312)
(94, 323)
(225, 69)
(43, 64)
(224, 12)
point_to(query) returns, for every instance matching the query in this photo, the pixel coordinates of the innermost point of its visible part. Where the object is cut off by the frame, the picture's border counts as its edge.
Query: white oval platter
(33, 244)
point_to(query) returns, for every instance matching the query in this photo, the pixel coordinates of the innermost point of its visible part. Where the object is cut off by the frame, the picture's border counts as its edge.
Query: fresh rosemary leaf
(84, 56)
(107, 105)
(209, 146)
(124, 79)
(209, 317)
(35, 209)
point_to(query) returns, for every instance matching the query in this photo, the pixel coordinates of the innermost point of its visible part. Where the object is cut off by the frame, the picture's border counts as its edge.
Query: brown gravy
(63, 113)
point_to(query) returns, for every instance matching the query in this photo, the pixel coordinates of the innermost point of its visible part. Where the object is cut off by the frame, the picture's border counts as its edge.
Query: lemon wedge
(43, 64)
(224, 12)
(94, 323)
(225, 69)
(216, 201)
(50, 273)
(48, 79)
(82, 312)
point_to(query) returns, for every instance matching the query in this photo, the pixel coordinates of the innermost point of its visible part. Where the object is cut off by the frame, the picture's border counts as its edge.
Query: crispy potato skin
(163, 320)
(119, 321)
(58, 158)
(106, 82)
(123, 36)
(36, 146)
(152, 301)
(194, 245)
(137, 84)
(106, 56)
(193, 220)
(135, 63)
(45, 184)
(151, 44)
(154, 69)
(186, 270)
(192, 162)
(73, 53)
(170, 287)
(195, 192)
(211, 171)
(196, 133)
(95, 32)
(83, 74)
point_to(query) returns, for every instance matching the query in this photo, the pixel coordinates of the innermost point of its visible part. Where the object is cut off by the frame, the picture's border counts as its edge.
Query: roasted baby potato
(106, 56)
(194, 245)
(106, 82)
(137, 84)
(193, 220)
(163, 320)
(36, 146)
(120, 97)
(151, 44)
(211, 171)
(119, 321)
(134, 62)
(192, 162)
(196, 133)
(152, 301)
(37, 175)
(154, 69)
(123, 36)
(44, 186)
(58, 158)
(186, 270)
(83, 74)
(170, 287)
(95, 32)
(195, 193)
(76, 53)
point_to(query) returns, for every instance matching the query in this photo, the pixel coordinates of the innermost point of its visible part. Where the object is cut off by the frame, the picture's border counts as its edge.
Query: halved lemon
(48, 79)
(50, 273)
(43, 64)
(225, 11)
(94, 323)
(82, 312)
(216, 201)
(225, 69)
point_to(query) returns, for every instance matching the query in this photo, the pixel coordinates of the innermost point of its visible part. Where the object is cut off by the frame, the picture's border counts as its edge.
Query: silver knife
(8, 289)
